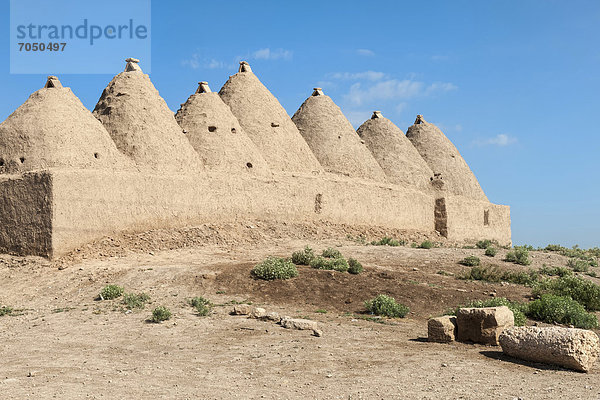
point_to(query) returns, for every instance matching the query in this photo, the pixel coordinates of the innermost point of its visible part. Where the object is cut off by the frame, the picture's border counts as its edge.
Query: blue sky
(514, 84)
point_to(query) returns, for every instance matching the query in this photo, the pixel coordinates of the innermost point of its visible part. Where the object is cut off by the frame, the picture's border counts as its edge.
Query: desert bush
(470, 261)
(386, 306)
(336, 264)
(330, 252)
(519, 309)
(160, 314)
(202, 305)
(583, 291)
(590, 255)
(275, 268)
(133, 300)
(491, 251)
(578, 265)
(555, 271)
(5, 310)
(551, 308)
(111, 292)
(519, 255)
(483, 244)
(354, 267)
(388, 241)
(426, 245)
(303, 257)
(496, 274)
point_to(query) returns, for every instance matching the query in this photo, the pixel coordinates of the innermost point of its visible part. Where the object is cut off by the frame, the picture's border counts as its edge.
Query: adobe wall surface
(91, 204)
(467, 220)
(26, 214)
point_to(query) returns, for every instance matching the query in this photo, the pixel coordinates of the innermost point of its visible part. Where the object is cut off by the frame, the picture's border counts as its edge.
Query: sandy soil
(64, 344)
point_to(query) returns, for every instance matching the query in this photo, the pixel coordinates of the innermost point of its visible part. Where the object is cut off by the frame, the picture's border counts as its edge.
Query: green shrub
(578, 265)
(5, 310)
(111, 292)
(303, 257)
(590, 255)
(519, 255)
(583, 291)
(519, 309)
(133, 300)
(160, 314)
(496, 274)
(275, 268)
(555, 271)
(330, 252)
(592, 274)
(491, 251)
(426, 245)
(388, 241)
(354, 267)
(483, 244)
(386, 306)
(202, 305)
(562, 310)
(336, 264)
(470, 261)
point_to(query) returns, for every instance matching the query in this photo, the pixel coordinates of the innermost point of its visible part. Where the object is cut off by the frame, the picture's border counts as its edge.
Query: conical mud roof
(52, 129)
(216, 134)
(333, 139)
(396, 155)
(267, 123)
(443, 158)
(142, 125)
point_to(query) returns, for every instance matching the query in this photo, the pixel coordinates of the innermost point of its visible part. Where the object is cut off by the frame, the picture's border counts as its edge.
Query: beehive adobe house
(68, 176)
(333, 140)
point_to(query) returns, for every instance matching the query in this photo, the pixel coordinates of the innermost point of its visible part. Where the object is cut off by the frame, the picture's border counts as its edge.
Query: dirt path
(75, 347)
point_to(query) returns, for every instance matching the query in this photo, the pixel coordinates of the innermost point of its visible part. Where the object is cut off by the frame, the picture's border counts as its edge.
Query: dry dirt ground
(62, 343)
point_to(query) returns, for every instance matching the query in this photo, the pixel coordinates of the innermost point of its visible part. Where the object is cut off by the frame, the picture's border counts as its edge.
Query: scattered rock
(441, 329)
(483, 325)
(258, 313)
(297, 323)
(242, 309)
(317, 332)
(568, 347)
(272, 316)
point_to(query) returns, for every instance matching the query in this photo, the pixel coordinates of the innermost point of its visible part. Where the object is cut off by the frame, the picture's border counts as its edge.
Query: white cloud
(440, 87)
(356, 76)
(385, 90)
(357, 117)
(393, 89)
(500, 140)
(193, 62)
(268, 54)
(365, 52)
(196, 61)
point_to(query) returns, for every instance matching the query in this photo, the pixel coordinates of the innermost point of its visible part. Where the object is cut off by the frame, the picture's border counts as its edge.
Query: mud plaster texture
(142, 125)
(63, 203)
(267, 123)
(334, 141)
(53, 129)
(443, 158)
(216, 135)
(396, 155)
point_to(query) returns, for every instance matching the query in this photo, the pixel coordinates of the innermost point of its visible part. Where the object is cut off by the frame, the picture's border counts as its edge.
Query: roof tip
(419, 120)
(376, 114)
(318, 92)
(203, 87)
(132, 65)
(53, 82)
(244, 67)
